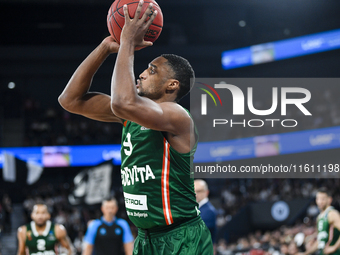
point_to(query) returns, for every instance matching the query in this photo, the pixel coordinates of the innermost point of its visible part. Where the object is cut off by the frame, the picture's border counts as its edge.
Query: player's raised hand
(110, 44)
(135, 29)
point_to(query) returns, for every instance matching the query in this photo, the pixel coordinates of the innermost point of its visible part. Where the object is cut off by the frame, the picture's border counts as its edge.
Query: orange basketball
(116, 20)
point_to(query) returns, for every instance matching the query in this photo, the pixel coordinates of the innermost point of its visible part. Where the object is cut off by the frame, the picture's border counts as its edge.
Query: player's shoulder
(21, 232)
(333, 213)
(22, 228)
(176, 110)
(122, 222)
(173, 106)
(333, 216)
(60, 231)
(59, 227)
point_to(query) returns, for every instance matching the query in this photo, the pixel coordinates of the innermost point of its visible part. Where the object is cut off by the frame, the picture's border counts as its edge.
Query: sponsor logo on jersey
(136, 174)
(29, 235)
(322, 235)
(135, 202)
(102, 231)
(51, 237)
(137, 214)
(118, 231)
(144, 128)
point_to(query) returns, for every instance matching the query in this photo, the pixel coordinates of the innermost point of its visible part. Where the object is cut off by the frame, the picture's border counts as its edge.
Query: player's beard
(141, 92)
(149, 93)
(323, 208)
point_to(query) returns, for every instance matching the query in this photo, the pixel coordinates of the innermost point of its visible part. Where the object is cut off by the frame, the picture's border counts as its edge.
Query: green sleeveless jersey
(158, 189)
(40, 244)
(327, 234)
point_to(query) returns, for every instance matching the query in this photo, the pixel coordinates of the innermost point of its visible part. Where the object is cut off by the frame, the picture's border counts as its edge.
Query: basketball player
(158, 139)
(41, 235)
(328, 226)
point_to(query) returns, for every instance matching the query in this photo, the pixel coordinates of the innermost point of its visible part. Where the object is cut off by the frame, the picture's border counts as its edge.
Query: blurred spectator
(54, 126)
(78, 242)
(208, 211)
(7, 211)
(1, 220)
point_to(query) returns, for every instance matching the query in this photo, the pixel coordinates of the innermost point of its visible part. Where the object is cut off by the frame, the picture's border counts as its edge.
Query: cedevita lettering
(136, 174)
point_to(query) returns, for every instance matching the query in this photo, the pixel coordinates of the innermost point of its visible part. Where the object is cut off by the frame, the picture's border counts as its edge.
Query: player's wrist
(127, 45)
(106, 49)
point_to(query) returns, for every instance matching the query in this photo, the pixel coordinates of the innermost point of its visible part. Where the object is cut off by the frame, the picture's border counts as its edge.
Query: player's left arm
(62, 237)
(334, 220)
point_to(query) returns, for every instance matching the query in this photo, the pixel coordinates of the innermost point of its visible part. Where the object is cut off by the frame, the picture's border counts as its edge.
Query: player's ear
(173, 85)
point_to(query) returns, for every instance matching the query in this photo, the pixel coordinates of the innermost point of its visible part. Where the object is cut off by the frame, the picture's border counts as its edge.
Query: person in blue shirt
(208, 211)
(108, 235)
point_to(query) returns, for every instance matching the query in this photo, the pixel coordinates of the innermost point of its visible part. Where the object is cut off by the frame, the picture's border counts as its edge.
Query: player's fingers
(148, 12)
(152, 17)
(147, 43)
(126, 13)
(139, 9)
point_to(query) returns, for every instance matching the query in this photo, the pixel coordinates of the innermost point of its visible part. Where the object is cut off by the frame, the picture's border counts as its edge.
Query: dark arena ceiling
(186, 22)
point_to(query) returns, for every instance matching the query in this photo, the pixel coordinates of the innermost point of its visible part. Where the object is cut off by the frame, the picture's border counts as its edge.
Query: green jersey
(157, 187)
(327, 234)
(40, 244)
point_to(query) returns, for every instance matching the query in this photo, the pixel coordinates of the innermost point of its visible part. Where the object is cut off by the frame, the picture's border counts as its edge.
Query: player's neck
(325, 209)
(165, 98)
(40, 228)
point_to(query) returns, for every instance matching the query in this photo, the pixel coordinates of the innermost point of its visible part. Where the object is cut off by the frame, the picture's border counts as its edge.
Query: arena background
(43, 42)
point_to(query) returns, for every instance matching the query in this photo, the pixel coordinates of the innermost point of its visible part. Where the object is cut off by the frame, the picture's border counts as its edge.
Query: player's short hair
(183, 72)
(325, 191)
(40, 204)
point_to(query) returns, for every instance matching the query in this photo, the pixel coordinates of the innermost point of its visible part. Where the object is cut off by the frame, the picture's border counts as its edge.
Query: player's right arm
(21, 240)
(76, 97)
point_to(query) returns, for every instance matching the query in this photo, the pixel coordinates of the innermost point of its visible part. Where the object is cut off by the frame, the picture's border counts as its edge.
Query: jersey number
(127, 143)
(41, 244)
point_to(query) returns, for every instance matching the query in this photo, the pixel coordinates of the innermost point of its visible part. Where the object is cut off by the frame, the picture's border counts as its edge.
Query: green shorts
(189, 238)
